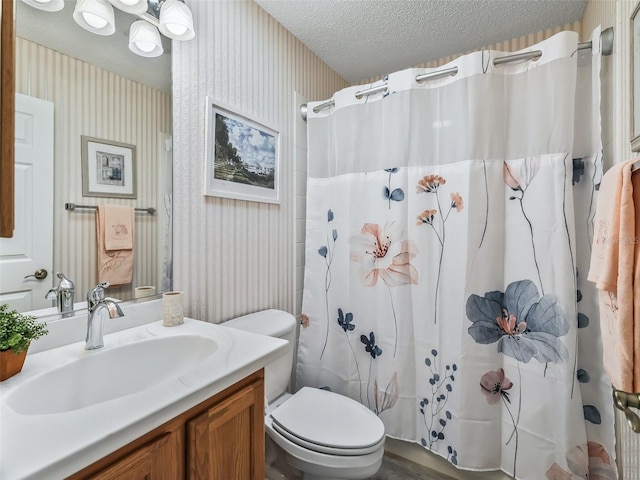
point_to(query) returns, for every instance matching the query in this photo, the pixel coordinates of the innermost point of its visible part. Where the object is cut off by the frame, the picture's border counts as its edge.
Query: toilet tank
(274, 323)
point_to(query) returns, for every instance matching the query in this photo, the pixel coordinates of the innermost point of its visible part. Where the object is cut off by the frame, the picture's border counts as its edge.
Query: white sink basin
(73, 407)
(101, 375)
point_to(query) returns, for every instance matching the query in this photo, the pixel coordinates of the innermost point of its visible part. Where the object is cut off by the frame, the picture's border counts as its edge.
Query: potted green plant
(16, 332)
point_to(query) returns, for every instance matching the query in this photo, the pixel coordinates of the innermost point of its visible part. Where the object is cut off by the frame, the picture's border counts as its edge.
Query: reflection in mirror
(72, 83)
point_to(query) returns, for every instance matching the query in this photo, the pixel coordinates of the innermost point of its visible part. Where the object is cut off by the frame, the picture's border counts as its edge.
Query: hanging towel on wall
(635, 182)
(615, 269)
(114, 233)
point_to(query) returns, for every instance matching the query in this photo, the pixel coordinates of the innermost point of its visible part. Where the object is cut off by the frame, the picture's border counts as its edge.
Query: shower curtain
(449, 225)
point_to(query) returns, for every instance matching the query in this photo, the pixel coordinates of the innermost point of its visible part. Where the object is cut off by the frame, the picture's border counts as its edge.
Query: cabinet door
(146, 463)
(226, 442)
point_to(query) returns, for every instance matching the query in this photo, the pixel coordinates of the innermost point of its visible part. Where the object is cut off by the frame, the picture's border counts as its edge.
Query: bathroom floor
(393, 468)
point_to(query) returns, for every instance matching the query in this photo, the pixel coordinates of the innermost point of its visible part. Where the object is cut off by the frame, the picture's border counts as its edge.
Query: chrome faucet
(98, 306)
(63, 295)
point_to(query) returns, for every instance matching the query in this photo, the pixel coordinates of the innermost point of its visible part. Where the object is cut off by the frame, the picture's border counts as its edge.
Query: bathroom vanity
(221, 438)
(184, 402)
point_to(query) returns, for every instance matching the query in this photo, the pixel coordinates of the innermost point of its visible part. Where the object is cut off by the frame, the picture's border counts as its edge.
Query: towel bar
(625, 402)
(72, 206)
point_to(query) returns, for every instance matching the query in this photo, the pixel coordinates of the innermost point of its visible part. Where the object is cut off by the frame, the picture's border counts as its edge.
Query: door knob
(40, 274)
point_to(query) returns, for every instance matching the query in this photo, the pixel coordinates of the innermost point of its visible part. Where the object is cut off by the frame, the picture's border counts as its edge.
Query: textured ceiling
(360, 39)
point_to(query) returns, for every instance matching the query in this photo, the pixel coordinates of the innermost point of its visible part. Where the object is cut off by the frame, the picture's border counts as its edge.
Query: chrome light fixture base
(173, 18)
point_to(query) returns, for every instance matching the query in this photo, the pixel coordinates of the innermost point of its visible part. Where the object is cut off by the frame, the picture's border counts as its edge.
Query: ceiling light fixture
(176, 20)
(46, 5)
(95, 16)
(144, 39)
(172, 17)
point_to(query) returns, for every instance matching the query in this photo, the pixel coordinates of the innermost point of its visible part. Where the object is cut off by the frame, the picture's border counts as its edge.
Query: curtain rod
(72, 206)
(607, 49)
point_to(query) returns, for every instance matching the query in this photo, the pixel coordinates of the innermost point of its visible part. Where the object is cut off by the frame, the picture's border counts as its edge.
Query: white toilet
(322, 434)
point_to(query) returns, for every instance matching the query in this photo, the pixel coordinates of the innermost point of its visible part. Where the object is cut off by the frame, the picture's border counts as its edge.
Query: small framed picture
(242, 157)
(635, 79)
(108, 168)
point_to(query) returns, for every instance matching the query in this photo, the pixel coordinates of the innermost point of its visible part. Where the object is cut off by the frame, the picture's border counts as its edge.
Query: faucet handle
(96, 294)
(65, 283)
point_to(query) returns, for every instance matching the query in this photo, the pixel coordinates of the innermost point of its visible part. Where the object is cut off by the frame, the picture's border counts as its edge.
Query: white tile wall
(300, 188)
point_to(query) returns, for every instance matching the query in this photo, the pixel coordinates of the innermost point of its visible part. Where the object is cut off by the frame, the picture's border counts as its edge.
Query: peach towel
(118, 233)
(114, 234)
(635, 181)
(615, 269)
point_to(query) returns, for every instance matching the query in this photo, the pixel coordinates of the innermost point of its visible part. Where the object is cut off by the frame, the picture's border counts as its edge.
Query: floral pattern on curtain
(443, 280)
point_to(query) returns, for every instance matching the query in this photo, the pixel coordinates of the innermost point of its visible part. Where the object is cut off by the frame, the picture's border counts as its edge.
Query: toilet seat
(329, 423)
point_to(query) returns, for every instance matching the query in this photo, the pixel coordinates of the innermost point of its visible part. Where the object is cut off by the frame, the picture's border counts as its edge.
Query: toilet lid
(326, 419)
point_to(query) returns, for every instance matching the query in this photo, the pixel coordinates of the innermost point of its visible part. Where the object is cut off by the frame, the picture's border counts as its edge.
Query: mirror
(95, 87)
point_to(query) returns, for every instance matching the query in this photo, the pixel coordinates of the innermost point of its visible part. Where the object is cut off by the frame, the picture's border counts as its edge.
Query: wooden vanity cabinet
(153, 460)
(222, 438)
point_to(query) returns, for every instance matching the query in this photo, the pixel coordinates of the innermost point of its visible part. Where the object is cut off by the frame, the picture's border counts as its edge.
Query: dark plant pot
(11, 363)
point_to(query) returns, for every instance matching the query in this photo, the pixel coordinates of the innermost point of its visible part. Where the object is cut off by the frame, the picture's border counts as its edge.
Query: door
(31, 247)
(227, 440)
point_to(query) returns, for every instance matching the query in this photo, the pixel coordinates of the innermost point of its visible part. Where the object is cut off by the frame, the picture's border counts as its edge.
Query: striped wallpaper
(232, 257)
(91, 101)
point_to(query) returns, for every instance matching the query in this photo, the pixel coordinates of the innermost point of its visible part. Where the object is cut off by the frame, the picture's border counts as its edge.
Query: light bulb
(94, 20)
(176, 28)
(136, 7)
(95, 16)
(46, 5)
(176, 20)
(145, 46)
(144, 39)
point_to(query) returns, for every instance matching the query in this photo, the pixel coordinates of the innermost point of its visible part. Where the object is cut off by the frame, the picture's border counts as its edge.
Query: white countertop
(56, 445)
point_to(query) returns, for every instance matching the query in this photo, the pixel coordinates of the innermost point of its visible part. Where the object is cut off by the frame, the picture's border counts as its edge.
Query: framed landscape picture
(242, 159)
(108, 168)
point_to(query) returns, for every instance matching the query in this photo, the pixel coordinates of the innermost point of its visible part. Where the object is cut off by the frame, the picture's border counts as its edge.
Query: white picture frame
(108, 168)
(242, 156)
